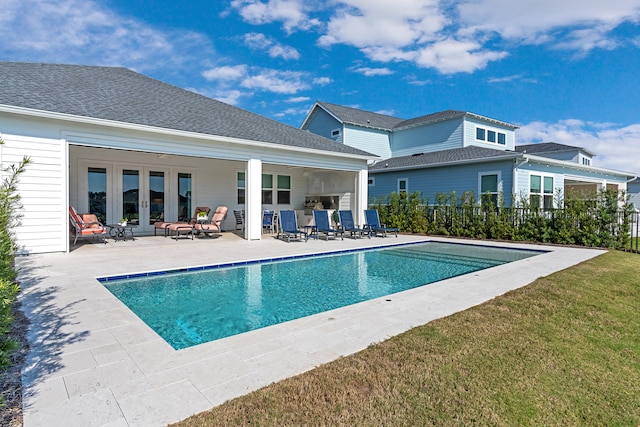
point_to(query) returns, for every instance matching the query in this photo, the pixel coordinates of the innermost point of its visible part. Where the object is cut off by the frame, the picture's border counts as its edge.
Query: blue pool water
(190, 308)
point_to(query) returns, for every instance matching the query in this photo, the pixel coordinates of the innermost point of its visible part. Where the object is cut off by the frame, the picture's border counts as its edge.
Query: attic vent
(417, 154)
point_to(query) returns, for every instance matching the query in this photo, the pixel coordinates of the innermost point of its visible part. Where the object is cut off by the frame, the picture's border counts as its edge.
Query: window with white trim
(335, 133)
(284, 189)
(241, 182)
(488, 135)
(541, 191)
(586, 161)
(403, 185)
(489, 188)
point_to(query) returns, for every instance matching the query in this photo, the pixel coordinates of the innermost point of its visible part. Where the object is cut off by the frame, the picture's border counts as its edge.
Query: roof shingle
(121, 95)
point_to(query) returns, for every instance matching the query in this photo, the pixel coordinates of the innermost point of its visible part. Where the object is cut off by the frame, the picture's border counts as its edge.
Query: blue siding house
(461, 151)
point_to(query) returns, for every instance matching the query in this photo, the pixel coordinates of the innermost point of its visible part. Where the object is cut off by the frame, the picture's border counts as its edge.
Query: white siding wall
(43, 192)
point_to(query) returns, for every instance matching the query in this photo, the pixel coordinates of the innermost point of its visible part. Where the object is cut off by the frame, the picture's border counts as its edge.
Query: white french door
(141, 195)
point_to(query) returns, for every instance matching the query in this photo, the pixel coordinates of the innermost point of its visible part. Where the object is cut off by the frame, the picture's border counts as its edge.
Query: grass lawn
(564, 350)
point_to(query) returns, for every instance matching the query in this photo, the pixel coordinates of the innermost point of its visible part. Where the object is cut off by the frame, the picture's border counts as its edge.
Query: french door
(141, 196)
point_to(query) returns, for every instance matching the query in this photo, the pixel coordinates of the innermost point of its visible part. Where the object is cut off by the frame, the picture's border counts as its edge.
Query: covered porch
(145, 187)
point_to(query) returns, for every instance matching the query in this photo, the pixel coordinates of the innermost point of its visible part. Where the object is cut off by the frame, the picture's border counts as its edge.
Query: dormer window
(335, 133)
(488, 135)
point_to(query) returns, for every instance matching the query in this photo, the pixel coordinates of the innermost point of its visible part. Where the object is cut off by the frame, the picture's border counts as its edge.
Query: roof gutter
(171, 132)
(540, 159)
(453, 163)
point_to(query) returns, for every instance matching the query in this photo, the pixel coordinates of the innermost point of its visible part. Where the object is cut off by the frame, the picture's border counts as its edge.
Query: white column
(253, 200)
(362, 195)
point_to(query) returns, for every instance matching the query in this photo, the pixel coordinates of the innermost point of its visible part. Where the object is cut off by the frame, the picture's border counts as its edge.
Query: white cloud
(615, 147)
(231, 97)
(292, 112)
(450, 36)
(367, 71)
(322, 81)
(546, 21)
(292, 13)
(226, 72)
(287, 82)
(84, 31)
(514, 77)
(260, 41)
(298, 99)
(453, 56)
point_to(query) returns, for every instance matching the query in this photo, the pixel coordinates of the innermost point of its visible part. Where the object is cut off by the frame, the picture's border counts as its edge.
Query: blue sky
(563, 70)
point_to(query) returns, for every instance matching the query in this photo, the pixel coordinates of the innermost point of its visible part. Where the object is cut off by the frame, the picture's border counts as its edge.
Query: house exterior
(123, 145)
(633, 189)
(457, 151)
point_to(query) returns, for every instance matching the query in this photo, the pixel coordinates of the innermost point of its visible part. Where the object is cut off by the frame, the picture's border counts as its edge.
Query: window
(371, 181)
(403, 185)
(491, 136)
(489, 188)
(541, 191)
(267, 189)
(335, 133)
(586, 161)
(98, 193)
(488, 135)
(241, 187)
(284, 189)
(184, 196)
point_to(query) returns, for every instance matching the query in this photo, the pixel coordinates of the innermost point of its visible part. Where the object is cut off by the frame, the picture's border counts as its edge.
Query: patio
(93, 363)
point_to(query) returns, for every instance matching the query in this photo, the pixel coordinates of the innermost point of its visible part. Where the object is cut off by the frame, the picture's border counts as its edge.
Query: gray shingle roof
(441, 157)
(359, 117)
(547, 147)
(122, 95)
(363, 118)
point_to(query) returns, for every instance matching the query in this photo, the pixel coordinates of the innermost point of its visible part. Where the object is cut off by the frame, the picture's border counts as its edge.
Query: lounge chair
(184, 227)
(214, 225)
(86, 225)
(348, 225)
(289, 226)
(374, 226)
(321, 220)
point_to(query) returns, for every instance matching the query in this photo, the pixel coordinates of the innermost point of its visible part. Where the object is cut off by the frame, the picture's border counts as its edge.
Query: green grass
(564, 350)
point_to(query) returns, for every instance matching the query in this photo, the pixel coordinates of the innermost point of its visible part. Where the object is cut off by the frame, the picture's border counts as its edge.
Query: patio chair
(184, 227)
(348, 225)
(86, 225)
(321, 220)
(267, 221)
(289, 226)
(214, 225)
(239, 215)
(374, 226)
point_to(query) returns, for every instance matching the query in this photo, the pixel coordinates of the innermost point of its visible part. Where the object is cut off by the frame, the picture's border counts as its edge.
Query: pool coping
(92, 362)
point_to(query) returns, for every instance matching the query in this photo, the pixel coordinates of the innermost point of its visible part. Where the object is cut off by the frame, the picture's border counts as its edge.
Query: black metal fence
(634, 231)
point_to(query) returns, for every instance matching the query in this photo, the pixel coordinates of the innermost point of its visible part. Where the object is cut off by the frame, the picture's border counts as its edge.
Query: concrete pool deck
(92, 362)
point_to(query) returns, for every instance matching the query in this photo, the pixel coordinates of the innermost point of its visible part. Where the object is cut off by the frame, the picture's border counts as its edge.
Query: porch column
(253, 200)
(362, 195)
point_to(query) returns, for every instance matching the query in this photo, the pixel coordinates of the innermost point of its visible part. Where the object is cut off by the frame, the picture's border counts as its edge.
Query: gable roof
(549, 147)
(120, 95)
(440, 158)
(355, 116)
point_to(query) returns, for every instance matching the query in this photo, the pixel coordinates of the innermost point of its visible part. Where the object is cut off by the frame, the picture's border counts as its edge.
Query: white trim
(542, 176)
(172, 132)
(485, 173)
(406, 190)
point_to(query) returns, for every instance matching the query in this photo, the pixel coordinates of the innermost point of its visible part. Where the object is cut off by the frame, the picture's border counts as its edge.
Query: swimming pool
(187, 308)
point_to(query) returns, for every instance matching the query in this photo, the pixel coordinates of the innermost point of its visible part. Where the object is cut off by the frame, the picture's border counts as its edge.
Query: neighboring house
(460, 151)
(633, 189)
(121, 144)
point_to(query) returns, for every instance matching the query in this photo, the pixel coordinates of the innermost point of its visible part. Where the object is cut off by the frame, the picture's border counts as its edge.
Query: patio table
(118, 231)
